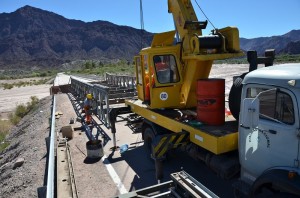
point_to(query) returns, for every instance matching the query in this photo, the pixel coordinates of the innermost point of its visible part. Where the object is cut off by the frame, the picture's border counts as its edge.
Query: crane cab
(159, 77)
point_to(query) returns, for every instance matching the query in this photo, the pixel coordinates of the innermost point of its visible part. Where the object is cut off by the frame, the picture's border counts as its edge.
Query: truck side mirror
(250, 113)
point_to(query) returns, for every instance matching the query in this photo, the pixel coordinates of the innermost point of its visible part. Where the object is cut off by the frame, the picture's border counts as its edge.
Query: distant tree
(93, 65)
(100, 64)
(43, 74)
(87, 65)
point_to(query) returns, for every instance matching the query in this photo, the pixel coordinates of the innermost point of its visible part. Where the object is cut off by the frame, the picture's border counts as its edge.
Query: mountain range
(288, 43)
(31, 37)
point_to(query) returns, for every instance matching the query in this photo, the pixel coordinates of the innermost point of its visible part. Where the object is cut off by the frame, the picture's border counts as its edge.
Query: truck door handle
(272, 131)
(245, 127)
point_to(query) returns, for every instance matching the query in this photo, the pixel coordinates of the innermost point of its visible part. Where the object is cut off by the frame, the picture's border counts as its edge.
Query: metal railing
(114, 90)
(121, 81)
(51, 165)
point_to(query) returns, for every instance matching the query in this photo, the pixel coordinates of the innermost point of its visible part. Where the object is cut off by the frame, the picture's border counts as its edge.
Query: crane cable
(205, 15)
(142, 22)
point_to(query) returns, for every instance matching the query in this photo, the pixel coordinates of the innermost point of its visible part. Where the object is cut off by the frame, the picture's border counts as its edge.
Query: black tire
(237, 193)
(267, 192)
(235, 96)
(148, 139)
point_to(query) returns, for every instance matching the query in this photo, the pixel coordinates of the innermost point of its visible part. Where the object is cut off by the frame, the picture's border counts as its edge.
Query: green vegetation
(22, 110)
(6, 86)
(5, 126)
(80, 67)
(287, 58)
(19, 74)
(14, 118)
(3, 146)
(99, 68)
(24, 83)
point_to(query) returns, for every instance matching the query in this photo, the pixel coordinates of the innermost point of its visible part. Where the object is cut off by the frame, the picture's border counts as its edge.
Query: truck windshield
(274, 105)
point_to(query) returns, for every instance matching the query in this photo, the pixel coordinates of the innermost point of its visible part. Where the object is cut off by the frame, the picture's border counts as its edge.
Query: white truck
(269, 132)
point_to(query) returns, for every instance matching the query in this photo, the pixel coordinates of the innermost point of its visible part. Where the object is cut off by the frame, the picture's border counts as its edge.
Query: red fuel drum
(211, 101)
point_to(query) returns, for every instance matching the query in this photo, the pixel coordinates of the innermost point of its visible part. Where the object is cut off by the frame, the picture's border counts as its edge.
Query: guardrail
(51, 166)
(48, 189)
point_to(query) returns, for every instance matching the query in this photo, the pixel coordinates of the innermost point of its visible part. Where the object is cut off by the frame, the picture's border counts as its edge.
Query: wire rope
(142, 22)
(205, 15)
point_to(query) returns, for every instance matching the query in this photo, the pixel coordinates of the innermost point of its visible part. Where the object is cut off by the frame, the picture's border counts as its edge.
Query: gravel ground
(27, 142)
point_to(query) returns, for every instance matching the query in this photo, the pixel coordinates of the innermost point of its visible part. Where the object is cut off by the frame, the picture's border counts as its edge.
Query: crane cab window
(166, 69)
(275, 106)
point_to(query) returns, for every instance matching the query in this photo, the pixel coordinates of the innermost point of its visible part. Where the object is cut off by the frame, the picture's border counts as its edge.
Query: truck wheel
(237, 193)
(148, 139)
(235, 96)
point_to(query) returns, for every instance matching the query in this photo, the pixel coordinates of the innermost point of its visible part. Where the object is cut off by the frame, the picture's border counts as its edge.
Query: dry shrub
(5, 126)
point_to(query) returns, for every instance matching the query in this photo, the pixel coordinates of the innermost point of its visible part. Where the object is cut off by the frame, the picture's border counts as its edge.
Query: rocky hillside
(34, 37)
(291, 48)
(286, 43)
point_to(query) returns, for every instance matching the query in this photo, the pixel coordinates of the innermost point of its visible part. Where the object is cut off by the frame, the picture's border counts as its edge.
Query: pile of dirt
(22, 164)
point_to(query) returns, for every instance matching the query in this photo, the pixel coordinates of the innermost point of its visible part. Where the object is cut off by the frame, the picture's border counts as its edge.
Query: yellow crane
(167, 73)
(168, 70)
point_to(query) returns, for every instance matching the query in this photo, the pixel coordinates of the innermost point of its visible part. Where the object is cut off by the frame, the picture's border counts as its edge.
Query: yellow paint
(195, 70)
(165, 97)
(215, 144)
(140, 92)
(163, 39)
(232, 37)
(163, 146)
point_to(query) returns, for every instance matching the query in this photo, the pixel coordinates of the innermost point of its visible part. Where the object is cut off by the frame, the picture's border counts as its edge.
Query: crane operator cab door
(141, 81)
(158, 80)
(269, 138)
(165, 81)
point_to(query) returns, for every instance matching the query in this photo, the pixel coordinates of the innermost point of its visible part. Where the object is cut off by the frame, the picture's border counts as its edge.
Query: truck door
(140, 67)
(165, 89)
(274, 141)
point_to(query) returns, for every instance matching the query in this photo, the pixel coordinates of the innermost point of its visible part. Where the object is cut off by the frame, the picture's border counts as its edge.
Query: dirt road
(10, 98)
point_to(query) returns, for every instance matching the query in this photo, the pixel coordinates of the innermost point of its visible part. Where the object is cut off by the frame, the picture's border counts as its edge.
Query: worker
(163, 70)
(87, 105)
(147, 87)
(159, 65)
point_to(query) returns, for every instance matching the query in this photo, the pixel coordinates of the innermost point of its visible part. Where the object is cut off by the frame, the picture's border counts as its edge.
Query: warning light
(292, 174)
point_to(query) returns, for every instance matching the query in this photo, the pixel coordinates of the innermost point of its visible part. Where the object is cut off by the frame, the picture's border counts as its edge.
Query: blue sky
(254, 18)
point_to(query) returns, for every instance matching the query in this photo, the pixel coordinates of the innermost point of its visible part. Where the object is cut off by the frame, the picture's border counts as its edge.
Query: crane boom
(184, 14)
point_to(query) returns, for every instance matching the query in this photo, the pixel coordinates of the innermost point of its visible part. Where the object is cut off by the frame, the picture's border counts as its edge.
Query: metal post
(112, 118)
(159, 169)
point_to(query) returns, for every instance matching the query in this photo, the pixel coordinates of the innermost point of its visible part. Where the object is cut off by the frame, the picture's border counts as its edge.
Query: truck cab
(269, 130)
